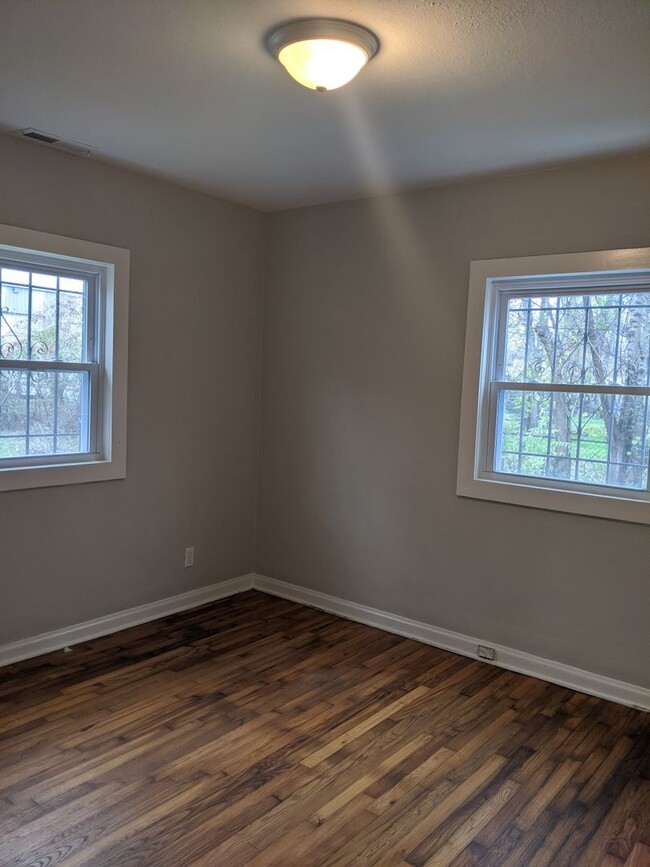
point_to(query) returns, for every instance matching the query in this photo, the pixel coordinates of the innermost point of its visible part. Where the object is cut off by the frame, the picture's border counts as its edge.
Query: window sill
(51, 475)
(598, 505)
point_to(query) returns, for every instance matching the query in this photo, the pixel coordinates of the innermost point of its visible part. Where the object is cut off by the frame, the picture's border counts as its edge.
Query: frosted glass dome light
(322, 53)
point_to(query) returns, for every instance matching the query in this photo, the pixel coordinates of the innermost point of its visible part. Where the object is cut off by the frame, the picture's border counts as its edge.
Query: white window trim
(542, 494)
(114, 263)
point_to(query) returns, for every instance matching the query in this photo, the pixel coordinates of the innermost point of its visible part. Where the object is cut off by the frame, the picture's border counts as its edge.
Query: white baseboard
(505, 657)
(46, 642)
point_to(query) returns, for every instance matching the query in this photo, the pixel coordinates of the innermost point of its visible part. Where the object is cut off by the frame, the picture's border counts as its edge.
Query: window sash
(91, 399)
(495, 390)
(92, 305)
(91, 352)
(504, 291)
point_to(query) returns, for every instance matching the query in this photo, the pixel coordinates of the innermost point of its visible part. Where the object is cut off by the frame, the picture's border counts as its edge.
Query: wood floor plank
(257, 731)
(461, 838)
(639, 857)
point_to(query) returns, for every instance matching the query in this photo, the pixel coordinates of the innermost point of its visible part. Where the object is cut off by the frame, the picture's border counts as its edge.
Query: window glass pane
(41, 445)
(43, 413)
(43, 325)
(599, 439)
(68, 444)
(42, 316)
(46, 281)
(14, 314)
(593, 339)
(72, 284)
(72, 425)
(71, 326)
(13, 413)
(14, 275)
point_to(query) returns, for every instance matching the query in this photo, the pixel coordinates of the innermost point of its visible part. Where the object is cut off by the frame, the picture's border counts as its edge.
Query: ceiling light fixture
(322, 53)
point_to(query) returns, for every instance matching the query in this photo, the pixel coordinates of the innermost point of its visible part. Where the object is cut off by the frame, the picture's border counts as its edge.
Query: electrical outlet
(485, 652)
(189, 557)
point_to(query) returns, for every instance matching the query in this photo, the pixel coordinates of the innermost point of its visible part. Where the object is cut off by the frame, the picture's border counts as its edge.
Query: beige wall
(362, 364)
(197, 264)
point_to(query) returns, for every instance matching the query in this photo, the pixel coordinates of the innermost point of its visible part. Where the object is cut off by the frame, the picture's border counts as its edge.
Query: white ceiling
(184, 88)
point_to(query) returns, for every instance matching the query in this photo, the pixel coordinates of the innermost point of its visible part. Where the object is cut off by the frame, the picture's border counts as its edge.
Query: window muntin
(50, 361)
(570, 391)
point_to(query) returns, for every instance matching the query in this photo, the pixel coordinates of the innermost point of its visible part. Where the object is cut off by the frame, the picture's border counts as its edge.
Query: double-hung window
(556, 394)
(63, 307)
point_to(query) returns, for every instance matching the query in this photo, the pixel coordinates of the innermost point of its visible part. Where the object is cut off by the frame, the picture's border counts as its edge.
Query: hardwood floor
(256, 731)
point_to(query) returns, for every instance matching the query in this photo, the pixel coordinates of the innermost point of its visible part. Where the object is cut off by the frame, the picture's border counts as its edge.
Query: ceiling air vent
(53, 141)
(40, 136)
